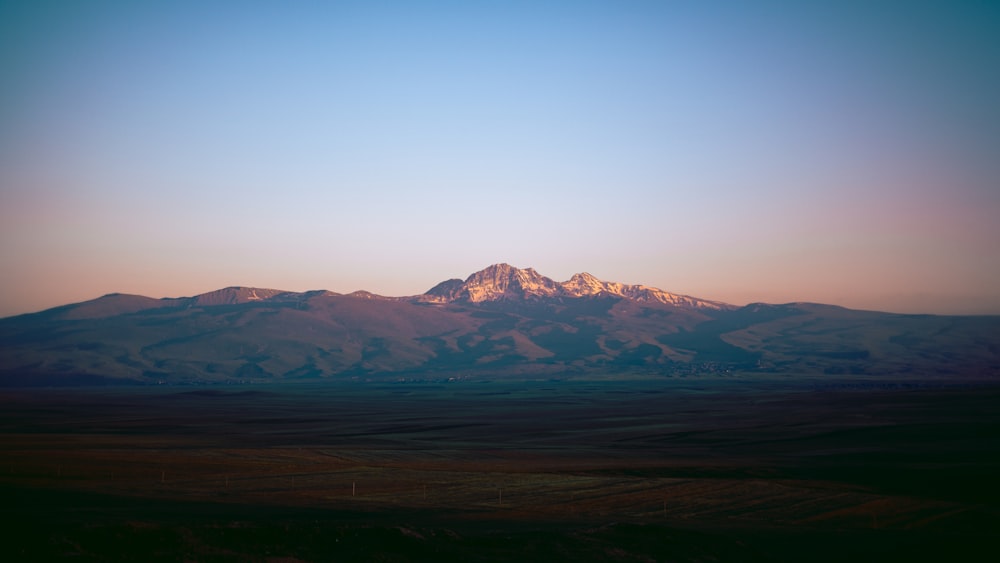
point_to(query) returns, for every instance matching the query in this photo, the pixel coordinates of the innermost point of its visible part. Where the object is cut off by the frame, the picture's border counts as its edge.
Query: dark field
(673, 470)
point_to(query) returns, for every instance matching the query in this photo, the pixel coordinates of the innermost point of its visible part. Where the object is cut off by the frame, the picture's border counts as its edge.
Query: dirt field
(673, 470)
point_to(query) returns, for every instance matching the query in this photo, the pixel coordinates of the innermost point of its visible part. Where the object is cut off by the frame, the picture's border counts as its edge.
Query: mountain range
(500, 321)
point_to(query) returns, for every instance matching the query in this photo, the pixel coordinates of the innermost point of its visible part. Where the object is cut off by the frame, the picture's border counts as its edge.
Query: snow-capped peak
(503, 282)
(586, 284)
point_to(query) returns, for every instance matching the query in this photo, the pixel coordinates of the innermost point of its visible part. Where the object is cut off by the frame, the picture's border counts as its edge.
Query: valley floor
(673, 470)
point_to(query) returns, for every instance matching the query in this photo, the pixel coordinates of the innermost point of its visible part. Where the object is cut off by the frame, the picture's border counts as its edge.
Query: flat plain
(672, 469)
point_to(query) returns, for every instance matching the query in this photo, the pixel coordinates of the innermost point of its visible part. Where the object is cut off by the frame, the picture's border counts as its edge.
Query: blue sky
(842, 152)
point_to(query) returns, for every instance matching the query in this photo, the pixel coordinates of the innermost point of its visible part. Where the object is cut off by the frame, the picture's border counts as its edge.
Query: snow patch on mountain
(235, 295)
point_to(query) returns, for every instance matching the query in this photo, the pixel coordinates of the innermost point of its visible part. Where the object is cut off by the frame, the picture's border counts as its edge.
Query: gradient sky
(739, 151)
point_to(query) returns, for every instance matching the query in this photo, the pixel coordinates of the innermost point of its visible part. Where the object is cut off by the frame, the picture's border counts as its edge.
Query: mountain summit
(499, 282)
(503, 282)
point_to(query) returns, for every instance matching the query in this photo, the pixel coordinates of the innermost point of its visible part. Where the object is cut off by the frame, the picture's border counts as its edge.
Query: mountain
(503, 282)
(500, 321)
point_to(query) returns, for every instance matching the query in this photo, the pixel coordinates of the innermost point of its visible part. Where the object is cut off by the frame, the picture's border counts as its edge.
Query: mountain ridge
(497, 282)
(503, 282)
(501, 321)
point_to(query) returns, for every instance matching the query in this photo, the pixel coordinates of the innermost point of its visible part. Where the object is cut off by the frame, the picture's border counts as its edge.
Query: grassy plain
(684, 469)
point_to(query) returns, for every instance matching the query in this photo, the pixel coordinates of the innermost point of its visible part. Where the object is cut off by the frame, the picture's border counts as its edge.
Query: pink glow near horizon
(812, 154)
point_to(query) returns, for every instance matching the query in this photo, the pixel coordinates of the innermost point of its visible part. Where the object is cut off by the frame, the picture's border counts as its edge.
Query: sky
(843, 152)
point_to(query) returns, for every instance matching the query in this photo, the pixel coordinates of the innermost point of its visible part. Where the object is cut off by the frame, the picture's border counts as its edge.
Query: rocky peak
(446, 290)
(584, 277)
(503, 281)
(585, 284)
